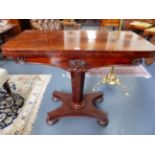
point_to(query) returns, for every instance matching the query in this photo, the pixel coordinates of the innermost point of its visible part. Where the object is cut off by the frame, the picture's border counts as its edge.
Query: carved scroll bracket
(77, 66)
(150, 60)
(137, 61)
(20, 60)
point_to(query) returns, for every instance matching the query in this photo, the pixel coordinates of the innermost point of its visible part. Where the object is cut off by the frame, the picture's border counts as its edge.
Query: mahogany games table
(77, 52)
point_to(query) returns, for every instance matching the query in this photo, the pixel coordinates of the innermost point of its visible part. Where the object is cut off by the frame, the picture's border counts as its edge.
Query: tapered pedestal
(77, 104)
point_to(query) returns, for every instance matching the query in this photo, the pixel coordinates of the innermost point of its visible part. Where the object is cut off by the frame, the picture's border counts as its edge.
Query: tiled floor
(127, 115)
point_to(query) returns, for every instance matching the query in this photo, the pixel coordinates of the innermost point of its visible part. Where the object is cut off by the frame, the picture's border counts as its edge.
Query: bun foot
(52, 122)
(54, 99)
(99, 100)
(105, 123)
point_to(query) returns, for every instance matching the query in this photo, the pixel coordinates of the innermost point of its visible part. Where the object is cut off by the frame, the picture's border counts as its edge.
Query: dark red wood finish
(6, 32)
(78, 51)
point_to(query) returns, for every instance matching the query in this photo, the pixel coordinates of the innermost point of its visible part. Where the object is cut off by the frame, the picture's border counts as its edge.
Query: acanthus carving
(77, 65)
(20, 60)
(150, 60)
(137, 61)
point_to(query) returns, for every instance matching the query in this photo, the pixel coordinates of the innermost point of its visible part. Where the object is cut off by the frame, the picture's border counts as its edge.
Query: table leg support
(77, 104)
(67, 110)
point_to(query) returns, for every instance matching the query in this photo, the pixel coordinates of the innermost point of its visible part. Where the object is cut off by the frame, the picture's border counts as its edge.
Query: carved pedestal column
(77, 104)
(77, 70)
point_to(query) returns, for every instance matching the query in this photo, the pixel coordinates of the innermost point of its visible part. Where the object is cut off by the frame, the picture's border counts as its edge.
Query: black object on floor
(9, 108)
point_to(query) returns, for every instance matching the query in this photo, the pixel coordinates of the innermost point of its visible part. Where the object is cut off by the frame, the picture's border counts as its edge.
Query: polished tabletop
(77, 40)
(78, 52)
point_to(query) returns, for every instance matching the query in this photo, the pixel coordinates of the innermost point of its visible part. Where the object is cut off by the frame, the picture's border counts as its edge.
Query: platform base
(69, 108)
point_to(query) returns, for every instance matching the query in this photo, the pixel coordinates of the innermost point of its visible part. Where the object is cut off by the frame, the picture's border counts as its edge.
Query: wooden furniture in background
(78, 52)
(152, 40)
(110, 22)
(138, 25)
(70, 24)
(11, 29)
(16, 22)
(6, 33)
(5, 30)
(53, 24)
(150, 34)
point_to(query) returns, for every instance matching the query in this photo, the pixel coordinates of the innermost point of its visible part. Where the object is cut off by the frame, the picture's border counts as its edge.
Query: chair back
(46, 24)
